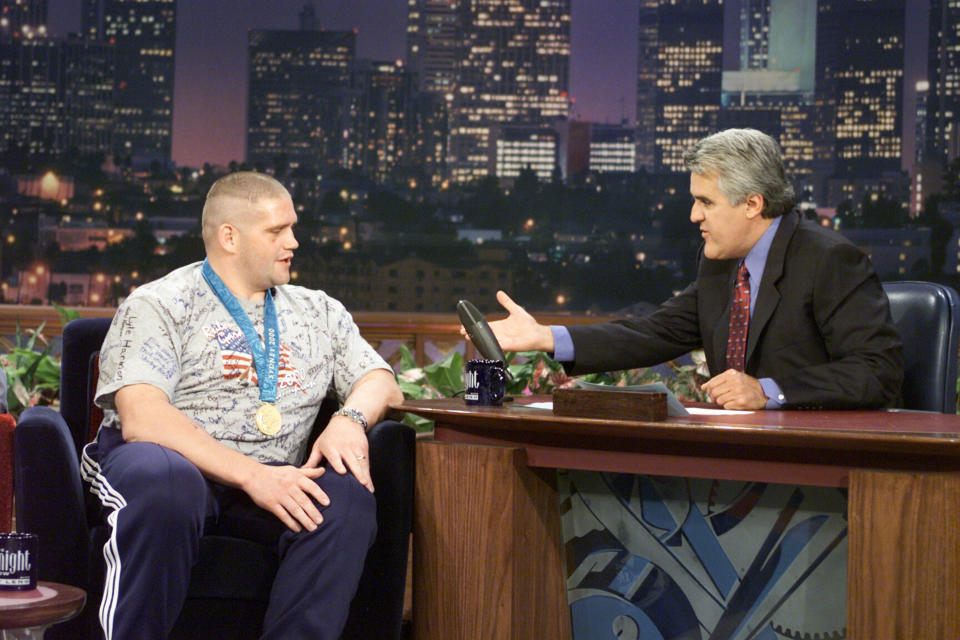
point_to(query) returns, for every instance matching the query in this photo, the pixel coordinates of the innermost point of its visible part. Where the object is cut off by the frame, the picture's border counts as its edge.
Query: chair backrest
(82, 339)
(926, 315)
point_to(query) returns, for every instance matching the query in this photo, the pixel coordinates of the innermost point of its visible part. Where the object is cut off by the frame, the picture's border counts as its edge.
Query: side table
(26, 615)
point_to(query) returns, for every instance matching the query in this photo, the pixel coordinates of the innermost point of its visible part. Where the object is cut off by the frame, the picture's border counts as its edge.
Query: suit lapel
(768, 295)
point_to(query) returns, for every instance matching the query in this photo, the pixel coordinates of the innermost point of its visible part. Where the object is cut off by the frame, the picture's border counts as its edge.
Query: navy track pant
(158, 505)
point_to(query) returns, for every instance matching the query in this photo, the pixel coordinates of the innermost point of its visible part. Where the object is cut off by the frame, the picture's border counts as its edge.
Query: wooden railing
(429, 336)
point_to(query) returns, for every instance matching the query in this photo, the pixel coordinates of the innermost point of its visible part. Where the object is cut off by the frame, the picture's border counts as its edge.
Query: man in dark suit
(810, 326)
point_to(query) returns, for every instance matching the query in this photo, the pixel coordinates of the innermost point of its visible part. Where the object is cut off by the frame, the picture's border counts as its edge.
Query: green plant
(535, 373)
(33, 377)
(442, 379)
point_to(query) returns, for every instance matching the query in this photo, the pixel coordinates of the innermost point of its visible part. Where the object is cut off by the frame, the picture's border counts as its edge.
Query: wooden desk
(487, 550)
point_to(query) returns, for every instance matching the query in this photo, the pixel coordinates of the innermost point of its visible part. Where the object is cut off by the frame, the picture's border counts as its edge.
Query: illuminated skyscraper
(88, 83)
(25, 18)
(612, 149)
(755, 33)
(689, 67)
(647, 85)
(511, 61)
(859, 87)
(55, 94)
(298, 100)
(143, 33)
(384, 136)
(433, 43)
(774, 88)
(942, 139)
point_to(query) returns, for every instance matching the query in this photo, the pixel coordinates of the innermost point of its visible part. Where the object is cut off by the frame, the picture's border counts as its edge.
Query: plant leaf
(66, 315)
(407, 361)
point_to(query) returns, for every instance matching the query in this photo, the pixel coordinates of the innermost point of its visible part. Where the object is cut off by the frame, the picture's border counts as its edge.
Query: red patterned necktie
(739, 320)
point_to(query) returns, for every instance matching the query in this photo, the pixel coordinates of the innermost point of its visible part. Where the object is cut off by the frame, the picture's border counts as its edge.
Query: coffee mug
(485, 382)
(18, 561)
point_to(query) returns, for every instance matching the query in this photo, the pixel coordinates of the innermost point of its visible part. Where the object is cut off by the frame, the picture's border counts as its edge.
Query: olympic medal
(268, 420)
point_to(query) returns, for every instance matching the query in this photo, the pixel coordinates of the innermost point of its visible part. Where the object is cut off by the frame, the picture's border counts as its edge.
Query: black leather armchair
(926, 315)
(230, 586)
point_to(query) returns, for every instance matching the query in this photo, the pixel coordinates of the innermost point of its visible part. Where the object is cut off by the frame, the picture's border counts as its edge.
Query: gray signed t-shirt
(175, 334)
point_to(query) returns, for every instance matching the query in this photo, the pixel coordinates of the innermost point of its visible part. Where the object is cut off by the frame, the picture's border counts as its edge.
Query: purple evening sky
(210, 84)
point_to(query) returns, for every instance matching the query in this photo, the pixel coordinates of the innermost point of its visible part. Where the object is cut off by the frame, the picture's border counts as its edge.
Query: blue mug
(485, 382)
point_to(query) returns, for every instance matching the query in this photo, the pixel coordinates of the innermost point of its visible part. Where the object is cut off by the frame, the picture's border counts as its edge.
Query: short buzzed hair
(744, 161)
(234, 195)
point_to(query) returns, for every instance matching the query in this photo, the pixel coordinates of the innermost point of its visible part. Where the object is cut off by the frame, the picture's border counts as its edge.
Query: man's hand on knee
(288, 493)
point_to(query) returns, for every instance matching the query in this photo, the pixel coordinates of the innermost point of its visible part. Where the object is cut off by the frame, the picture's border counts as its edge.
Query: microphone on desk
(480, 334)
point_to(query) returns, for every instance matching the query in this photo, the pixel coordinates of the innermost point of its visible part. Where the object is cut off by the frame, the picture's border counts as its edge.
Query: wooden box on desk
(617, 405)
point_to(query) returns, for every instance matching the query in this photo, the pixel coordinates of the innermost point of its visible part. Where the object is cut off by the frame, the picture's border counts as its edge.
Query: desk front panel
(684, 559)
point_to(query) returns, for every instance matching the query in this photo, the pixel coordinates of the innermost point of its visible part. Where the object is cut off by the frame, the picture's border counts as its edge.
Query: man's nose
(695, 214)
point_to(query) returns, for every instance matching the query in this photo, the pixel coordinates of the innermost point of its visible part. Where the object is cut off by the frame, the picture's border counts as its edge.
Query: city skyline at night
(210, 116)
(334, 112)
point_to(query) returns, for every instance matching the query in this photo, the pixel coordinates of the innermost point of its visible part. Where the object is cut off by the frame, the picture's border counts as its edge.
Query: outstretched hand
(519, 331)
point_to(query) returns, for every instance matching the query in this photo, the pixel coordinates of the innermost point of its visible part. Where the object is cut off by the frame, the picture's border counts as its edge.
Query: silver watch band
(353, 414)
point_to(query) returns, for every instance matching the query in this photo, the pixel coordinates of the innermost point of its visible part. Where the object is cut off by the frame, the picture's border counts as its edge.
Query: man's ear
(227, 237)
(755, 204)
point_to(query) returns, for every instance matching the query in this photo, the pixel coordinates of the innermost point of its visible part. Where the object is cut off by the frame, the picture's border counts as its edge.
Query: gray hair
(744, 161)
(232, 198)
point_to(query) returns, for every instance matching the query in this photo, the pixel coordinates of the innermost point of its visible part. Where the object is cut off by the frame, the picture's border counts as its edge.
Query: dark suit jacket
(821, 325)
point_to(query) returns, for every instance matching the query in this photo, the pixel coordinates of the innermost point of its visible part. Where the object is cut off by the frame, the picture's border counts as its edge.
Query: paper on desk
(694, 411)
(705, 411)
(536, 405)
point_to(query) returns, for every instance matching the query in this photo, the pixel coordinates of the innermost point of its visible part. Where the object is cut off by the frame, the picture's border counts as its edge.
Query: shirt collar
(756, 259)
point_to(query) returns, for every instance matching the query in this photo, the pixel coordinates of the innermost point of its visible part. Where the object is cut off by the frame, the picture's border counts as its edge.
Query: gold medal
(268, 419)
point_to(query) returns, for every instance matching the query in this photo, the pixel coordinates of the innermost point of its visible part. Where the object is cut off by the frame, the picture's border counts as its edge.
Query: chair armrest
(377, 609)
(49, 495)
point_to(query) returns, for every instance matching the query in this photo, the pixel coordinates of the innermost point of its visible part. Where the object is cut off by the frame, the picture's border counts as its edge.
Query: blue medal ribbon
(266, 355)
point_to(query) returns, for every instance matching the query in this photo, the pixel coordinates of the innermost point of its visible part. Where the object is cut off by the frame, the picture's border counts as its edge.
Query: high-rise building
(299, 98)
(647, 84)
(501, 62)
(773, 90)
(384, 134)
(755, 33)
(32, 107)
(88, 84)
(433, 31)
(55, 97)
(518, 147)
(613, 149)
(23, 18)
(922, 123)
(859, 88)
(689, 68)
(926, 174)
(942, 139)
(143, 34)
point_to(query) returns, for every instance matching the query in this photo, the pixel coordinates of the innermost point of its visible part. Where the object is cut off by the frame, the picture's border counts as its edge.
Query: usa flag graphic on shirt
(237, 358)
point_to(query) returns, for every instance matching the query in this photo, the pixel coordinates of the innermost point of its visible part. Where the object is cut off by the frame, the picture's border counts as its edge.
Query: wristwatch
(353, 414)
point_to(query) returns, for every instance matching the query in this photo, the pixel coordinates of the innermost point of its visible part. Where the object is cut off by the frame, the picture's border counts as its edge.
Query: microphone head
(479, 331)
